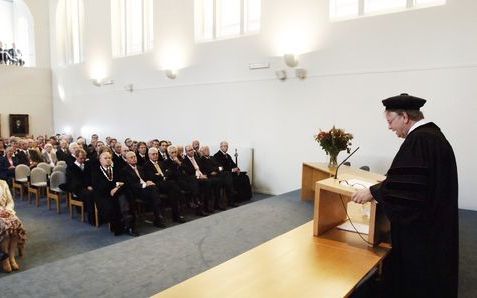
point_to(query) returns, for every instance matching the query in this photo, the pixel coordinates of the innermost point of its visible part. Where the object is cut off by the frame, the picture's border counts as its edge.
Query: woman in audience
(48, 155)
(12, 233)
(7, 165)
(2, 147)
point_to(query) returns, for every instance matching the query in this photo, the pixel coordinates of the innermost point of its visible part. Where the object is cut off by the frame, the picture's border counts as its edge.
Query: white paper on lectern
(358, 184)
(362, 228)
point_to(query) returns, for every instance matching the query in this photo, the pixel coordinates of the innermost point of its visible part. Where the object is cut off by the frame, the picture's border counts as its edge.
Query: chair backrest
(22, 171)
(46, 167)
(37, 175)
(365, 168)
(59, 168)
(61, 162)
(57, 178)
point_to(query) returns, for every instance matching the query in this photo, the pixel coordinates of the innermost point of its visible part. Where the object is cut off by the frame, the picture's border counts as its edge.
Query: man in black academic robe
(241, 182)
(419, 196)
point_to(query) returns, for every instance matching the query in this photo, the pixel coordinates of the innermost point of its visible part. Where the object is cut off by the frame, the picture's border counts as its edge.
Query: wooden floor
(294, 264)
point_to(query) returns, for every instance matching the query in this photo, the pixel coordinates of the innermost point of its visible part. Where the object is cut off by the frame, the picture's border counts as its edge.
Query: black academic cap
(403, 102)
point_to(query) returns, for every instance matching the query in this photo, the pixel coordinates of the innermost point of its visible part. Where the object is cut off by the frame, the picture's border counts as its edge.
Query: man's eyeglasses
(391, 121)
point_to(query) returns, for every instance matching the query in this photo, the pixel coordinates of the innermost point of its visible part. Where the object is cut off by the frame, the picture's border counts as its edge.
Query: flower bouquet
(333, 142)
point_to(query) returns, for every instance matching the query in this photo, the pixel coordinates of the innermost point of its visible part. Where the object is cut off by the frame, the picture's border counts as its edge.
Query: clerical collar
(417, 124)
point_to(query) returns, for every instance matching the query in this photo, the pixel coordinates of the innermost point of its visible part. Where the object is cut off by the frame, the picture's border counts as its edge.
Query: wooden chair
(21, 179)
(46, 167)
(61, 163)
(74, 201)
(38, 183)
(54, 192)
(59, 168)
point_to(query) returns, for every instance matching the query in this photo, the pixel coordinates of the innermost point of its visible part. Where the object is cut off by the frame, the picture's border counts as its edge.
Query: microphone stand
(336, 173)
(236, 157)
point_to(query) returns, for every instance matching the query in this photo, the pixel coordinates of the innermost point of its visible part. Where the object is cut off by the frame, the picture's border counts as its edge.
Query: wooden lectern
(331, 208)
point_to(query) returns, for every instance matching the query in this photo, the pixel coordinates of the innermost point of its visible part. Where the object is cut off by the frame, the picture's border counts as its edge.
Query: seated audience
(163, 150)
(240, 179)
(142, 154)
(143, 188)
(71, 158)
(21, 154)
(62, 152)
(193, 169)
(16, 56)
(12, 233)
(48, 155)
(78, 182)
(7, 166)
(153, 172)
(214, 173)
(111, 196)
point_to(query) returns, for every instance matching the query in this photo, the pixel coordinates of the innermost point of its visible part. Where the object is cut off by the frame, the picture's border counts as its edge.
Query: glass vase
(333, 160)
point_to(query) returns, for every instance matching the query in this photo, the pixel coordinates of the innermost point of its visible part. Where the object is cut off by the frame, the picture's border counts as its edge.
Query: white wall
(351, 66)
(26, 91)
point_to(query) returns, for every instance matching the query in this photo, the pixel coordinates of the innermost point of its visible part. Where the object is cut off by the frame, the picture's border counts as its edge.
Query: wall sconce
(129, 87)
(171, 74)
(300, 73)
(290, 60)
(281, 75)
(102, 82)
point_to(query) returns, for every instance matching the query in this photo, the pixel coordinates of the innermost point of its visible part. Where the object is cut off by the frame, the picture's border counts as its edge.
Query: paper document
(357, 184)
(362, 228)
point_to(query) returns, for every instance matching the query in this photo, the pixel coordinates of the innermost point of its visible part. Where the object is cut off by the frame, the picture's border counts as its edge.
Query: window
(345, 9)
(16, 23)
(132, 27)
(216, 19)
(71, 25)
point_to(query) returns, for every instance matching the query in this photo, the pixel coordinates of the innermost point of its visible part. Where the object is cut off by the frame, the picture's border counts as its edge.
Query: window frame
(199, 34)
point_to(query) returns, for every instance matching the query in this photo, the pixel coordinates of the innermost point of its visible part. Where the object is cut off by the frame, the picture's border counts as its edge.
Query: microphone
(236, 157)
(336, 173)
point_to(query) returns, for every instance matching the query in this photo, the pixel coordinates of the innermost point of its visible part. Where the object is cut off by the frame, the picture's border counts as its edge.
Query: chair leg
(58, 203)
(96, 216)
(48, 201)
(37, 197)
(82, 213)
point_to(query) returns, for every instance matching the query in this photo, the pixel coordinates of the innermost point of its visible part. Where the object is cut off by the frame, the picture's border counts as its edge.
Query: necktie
(158, 169)
(108, 171)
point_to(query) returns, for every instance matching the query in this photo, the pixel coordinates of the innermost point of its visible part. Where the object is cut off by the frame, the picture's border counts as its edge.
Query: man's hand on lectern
(362, 196)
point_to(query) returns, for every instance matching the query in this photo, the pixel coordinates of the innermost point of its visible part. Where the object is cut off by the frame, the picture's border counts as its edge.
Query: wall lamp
(102, 82)
(291, 60)
(281, 74)
(170, 73)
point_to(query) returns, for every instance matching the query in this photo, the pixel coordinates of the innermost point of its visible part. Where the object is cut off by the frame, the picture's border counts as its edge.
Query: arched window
(131, 27)
(16, 23)
(69, 24)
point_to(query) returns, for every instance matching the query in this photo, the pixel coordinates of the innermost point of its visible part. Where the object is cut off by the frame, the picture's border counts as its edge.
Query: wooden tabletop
(294, 264)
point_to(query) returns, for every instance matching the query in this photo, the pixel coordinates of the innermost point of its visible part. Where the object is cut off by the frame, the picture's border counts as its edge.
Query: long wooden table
(294, 264)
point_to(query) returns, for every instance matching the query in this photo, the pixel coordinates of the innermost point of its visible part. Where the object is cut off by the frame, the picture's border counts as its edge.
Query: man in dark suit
(240, 179)
(193, 169)
(62, 152)
(21, 153)
(78, 182)
(175, 172)
(163, 150)
(142, 188)
(119, 156)
(214, 174)
(153, 172)
(112, 196)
